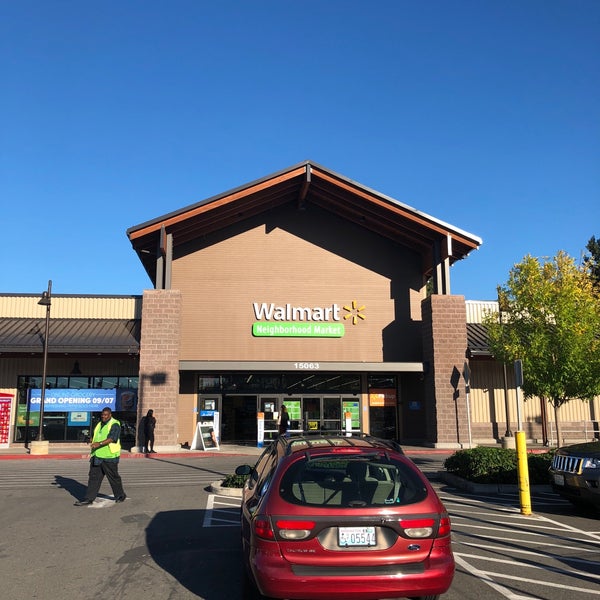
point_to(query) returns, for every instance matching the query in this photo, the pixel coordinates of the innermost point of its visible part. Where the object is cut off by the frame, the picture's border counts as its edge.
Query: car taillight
(418, 528)
(295, 530)
(445, 527)
(263, 529)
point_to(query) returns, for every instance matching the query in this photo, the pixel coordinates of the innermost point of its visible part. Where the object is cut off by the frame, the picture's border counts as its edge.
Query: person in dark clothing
(284, 422)
(104, 460)
(149, 425)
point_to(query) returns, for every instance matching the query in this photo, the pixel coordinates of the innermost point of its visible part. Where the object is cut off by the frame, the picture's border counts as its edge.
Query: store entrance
(308, 414)
(239, 420)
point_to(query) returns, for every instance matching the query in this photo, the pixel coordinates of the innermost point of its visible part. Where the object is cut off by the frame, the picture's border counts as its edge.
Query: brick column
(444, 349)
(159, 363)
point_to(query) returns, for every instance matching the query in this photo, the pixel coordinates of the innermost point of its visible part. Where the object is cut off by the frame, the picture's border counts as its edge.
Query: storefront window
(76, 424)
(283, 383)
(208, 383)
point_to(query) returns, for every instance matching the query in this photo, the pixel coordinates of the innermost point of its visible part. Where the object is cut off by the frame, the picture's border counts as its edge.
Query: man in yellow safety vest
(104, 460)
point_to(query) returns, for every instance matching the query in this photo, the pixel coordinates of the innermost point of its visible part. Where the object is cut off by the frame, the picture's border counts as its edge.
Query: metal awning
(70, 336)
(477, 341)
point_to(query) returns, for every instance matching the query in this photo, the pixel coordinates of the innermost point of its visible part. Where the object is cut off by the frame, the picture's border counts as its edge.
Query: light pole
(501, 303)
(45, 300)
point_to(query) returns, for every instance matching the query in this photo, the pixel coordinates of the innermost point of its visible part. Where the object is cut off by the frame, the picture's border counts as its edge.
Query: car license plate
(356, 536)
(559, 479)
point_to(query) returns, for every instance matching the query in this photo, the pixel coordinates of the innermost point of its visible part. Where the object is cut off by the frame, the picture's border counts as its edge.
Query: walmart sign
(288, 320)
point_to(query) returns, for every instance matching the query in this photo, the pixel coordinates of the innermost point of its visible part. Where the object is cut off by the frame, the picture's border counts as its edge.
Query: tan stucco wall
(304, 258)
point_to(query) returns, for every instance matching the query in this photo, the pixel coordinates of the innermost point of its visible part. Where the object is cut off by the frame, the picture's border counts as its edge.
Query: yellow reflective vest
(100, 434)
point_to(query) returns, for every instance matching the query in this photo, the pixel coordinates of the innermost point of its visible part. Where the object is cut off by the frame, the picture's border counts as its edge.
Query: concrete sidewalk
(82, 451)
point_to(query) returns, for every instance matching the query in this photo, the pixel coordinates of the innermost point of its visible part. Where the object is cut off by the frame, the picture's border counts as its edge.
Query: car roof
(308, 443)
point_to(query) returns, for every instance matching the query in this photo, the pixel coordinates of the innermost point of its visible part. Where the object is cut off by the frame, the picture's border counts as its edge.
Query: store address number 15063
(307, 365)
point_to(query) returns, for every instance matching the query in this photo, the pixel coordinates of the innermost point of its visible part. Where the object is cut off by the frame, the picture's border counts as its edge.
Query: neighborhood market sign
(304, 321)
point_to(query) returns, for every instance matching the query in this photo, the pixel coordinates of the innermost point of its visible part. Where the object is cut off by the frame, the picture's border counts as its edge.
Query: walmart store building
(304, 289)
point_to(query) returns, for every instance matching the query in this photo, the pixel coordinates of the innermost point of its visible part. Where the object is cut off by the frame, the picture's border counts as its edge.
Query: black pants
(96, 476)
(149, 445)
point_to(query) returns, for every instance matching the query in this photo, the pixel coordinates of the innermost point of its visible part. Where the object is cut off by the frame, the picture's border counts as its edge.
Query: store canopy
(477, 341)
(70, 336)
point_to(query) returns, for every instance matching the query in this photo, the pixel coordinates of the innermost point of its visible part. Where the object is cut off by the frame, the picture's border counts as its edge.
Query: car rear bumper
(280, 579)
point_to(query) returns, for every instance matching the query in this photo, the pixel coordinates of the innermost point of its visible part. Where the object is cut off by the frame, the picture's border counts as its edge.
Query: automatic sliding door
(239, 419)
(312, 413)
(294, 408)
(332, 414)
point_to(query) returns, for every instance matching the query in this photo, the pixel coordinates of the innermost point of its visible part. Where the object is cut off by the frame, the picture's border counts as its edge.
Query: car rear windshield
(365, 481)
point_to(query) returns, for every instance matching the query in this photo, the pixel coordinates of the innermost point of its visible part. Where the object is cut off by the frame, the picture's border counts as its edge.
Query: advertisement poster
(83, 400)
(71, 400)
(352, 407)
(382, 397)
(5, 403)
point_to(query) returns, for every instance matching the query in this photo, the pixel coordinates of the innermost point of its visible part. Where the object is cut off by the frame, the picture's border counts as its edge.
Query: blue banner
(66, 400)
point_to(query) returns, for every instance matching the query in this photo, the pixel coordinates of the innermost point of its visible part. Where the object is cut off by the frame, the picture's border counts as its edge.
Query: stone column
(159, 363)
(444, 352)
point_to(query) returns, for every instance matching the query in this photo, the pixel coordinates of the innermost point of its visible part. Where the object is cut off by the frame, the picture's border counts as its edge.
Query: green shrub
(234, 481)
(496, 465)
(538, 467)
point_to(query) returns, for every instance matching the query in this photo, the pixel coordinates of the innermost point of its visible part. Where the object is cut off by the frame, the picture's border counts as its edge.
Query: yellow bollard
(523, 473)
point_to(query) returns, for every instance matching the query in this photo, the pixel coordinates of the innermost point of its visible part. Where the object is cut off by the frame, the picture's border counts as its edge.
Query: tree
(550, 319)
(591, 261)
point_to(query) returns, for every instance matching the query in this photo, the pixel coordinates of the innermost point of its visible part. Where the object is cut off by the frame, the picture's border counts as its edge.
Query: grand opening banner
(84, 400)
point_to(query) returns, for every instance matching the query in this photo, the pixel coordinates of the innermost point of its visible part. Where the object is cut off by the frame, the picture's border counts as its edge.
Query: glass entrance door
(239, 419)
(320, 413)
(269, 406)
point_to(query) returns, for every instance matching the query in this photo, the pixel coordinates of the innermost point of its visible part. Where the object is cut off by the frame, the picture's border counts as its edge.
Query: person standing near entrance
(104, 460)
(284, 422)
(149, 425)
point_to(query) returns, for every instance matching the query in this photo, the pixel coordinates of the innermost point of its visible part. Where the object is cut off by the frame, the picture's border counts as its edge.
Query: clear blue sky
(482, 113)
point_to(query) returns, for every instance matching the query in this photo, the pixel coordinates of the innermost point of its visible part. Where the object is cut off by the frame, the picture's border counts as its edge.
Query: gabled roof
(70, 336)
(301, 185)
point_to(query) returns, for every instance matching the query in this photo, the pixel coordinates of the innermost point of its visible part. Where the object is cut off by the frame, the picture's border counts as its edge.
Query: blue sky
(482, 113)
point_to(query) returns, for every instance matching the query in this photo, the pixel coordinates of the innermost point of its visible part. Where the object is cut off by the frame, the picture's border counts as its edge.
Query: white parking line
(536, 554)
(562, 586)
(483, 576)
(499, 527)
(218, 511)
(506, 561)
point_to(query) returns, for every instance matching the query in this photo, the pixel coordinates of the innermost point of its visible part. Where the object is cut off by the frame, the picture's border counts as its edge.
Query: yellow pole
(523, 473)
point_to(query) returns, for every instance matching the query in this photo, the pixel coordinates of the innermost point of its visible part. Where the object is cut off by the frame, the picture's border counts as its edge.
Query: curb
(487, 488)
(85, 456)
(78, 455)
(217, 488)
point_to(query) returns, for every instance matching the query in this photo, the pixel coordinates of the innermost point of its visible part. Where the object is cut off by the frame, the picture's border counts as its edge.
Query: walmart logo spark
(355, 312)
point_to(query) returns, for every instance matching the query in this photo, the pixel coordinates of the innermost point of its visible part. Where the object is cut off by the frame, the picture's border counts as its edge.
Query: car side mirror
(244, 470)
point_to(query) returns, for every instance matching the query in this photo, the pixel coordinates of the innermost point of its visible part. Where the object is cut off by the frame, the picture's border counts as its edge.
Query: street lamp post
(45, 300)
(508, 441)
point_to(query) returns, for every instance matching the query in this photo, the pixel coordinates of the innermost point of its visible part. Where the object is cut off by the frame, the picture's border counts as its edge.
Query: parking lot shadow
(205, 560)
(76, 489)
